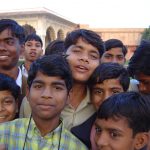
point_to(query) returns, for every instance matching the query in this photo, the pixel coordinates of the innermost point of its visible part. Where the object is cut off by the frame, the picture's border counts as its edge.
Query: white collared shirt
(19, 78)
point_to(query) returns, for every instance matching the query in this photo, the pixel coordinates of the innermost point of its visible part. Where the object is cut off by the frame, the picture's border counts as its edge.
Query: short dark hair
(55, 47)
(114, 43)
(110, 71)
(129, 105)
(9, 84)
(51, 65)
(89, 36)
(15, 28)
(140, 61)
(35, 37)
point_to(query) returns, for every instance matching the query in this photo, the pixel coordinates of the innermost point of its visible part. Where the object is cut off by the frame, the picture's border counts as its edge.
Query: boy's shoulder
(71, 141)
(14, 125)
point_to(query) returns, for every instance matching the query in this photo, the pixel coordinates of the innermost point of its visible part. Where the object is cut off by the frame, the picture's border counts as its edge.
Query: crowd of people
(76, 94)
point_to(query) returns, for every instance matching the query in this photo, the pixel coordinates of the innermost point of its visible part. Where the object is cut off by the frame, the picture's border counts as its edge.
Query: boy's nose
(102, 141)
(47, 93)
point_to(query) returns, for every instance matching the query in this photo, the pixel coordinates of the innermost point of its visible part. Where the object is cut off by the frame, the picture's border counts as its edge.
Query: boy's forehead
(42, 76)
(112, 82)
(5, 93)
(33, 40)
(115, 50)
(113, 122)
(7, 32)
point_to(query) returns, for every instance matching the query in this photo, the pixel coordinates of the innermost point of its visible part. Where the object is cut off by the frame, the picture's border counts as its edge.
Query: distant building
(50, 26)
(47, 24)
(131, 37)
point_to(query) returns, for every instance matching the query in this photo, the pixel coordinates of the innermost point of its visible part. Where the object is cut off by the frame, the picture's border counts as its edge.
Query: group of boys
(72, 91)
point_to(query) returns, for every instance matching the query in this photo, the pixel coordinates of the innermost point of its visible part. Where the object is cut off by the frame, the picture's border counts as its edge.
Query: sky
(95, 13)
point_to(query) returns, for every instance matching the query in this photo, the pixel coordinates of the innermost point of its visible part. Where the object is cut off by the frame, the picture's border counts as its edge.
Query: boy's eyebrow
(107, 54)
(81, 47)
(60, 82)
(113, 88)
(37, 81)
(78, 46)
(8, 38)
(110, 129)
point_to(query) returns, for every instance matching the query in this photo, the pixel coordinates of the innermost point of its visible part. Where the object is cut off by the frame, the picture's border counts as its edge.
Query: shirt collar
(55, 134)
(24, 71)
(19, 78)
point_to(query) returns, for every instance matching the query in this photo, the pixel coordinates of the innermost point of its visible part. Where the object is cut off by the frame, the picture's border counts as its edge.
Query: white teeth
(81, 67)
(3, 56)
(2, 117)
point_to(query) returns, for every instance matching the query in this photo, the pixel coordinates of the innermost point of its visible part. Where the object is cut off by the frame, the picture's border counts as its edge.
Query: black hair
(110, 71)
(114, 43)
(55, 47)
(89, 36)
(51, 65)
(140, 61)
(129, 105)
(9, 84)
(16, 29)
(32, 37)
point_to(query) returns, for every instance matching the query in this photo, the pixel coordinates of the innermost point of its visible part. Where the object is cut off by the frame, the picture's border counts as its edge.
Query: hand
(2, 147)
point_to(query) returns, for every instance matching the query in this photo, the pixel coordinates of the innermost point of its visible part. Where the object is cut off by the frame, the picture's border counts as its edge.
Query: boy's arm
(2, 147)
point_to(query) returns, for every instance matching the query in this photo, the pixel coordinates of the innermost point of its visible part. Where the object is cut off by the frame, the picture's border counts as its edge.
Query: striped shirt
(13, 134)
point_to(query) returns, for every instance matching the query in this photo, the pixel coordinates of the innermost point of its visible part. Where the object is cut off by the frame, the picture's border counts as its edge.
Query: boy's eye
(38, 45)
(76, 51)
(120, 57)
(37, 86)
(116, 91)
(114, 134)
(92, 56)
(28, 44)
(107, 56)
(8, 101)
(58, 88)
(97, 91)
(10, 42)
(98, 130)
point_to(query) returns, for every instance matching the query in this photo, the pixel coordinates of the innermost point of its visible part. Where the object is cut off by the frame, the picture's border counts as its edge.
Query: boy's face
(8, 106)
(47, 97)
(114, 55)
(33, 50)
(10, 49)
(115, 134)
(103, 90)
(83, 58)
(144, 83)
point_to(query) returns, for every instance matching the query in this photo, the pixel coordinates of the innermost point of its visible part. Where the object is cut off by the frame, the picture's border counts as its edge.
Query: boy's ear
(42, 52)
(141, 140)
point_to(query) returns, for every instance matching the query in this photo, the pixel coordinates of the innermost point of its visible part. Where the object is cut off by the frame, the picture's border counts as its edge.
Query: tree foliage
(146, 34)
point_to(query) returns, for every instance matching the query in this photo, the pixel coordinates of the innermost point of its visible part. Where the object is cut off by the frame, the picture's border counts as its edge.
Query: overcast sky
(96, 13)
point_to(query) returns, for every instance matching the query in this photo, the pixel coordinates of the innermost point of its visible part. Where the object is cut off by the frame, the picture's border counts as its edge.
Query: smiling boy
(122, 122)
(49, 84)
(84, 49)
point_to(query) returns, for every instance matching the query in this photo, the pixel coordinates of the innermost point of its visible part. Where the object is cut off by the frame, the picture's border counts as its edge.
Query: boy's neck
(46, 126)
(13, 72)
(27, 65)
(77, 94)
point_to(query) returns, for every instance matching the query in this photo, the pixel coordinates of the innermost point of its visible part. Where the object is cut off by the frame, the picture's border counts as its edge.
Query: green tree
(146, 34)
